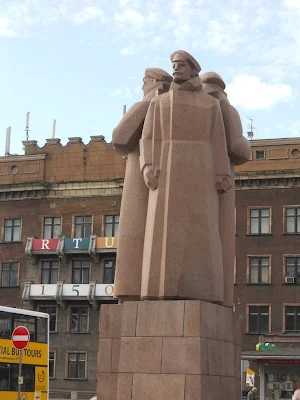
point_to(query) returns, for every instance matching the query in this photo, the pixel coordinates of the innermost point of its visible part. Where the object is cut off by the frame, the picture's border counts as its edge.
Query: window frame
(284, 271)
(43, 225)
(284, 219)
(249, 208)
(105, 259)
(56, 315)
(74, 224)
(3, 230)
(71, 270)
(260, 150)
(69, 327)
(284, 316)
(54, 364)
(248, 305)
(1, 271)
(112, 214)
(41, 270)
(68, 352)
(269, 256)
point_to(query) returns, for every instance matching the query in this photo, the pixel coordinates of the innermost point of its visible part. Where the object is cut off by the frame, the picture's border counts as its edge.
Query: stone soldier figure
(239, 151)
(126, 138)
(186, 167)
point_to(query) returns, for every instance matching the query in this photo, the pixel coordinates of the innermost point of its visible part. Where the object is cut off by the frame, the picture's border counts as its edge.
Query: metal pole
(261, 381)
(20, 374)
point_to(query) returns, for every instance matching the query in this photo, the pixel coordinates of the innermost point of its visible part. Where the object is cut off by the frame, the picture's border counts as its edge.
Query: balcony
(64, 246)
(60, 292)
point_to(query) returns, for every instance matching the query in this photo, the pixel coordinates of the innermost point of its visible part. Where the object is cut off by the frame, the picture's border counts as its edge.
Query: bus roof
(24, 312)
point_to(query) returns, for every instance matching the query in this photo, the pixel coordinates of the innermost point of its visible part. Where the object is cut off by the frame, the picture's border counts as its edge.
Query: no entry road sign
(20, 337)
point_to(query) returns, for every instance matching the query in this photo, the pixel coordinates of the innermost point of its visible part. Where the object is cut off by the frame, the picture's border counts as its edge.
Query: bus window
(9, 377)
(5, 326)
(42, 330)
(27, 321)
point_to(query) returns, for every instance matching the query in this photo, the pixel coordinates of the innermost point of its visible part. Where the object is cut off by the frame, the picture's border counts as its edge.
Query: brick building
(267, 277)
(59, 208)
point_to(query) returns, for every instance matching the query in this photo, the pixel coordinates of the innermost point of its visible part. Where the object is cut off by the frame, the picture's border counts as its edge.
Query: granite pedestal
(168, 350)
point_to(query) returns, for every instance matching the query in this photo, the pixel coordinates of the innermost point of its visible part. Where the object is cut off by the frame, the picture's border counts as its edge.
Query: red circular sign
(20, 337)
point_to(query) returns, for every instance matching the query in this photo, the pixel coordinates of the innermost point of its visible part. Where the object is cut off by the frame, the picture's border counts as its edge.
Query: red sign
(20, 337)
(44, 244)
(281, 361)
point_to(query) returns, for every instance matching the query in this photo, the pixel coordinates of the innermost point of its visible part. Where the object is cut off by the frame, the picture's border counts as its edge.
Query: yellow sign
(41, 383)
(33, 354)
(14, 395)
(107, 243)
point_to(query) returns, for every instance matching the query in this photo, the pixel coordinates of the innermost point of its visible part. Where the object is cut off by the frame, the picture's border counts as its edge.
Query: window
(49, 272)
(292, 220)
(111, 225)
(9, 378)
(292, 265)
(80, 271)
(259, 221)
(51, 227)
(292, 318)
(109, 271)
(79, 319)
(12, 230)
(5, 326)
(51, 364)
(77, 365)
(83, 227)
(52, 311)
(10, 274)
(260, 154)
(258, 319)
(259, 269)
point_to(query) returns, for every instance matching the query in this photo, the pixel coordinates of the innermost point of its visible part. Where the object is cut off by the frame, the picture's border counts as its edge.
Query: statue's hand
(151, 177)
(223, 183)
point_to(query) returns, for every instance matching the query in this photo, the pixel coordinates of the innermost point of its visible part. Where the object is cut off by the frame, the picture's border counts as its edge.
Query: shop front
(278, 371)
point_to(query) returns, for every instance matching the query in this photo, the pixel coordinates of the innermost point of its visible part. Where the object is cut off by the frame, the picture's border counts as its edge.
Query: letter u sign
(107, 244)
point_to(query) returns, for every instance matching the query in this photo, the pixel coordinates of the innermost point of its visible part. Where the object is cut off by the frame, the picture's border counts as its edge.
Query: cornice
(17, 158)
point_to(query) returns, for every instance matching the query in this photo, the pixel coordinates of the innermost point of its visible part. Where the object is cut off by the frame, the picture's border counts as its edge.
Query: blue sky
(79, 61)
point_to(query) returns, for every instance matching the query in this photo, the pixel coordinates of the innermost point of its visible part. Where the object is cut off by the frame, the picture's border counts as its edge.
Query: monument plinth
(175, 336)
(168, 350)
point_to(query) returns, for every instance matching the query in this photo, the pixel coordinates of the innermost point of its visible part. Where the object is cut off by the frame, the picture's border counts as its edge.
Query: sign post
(20, 339)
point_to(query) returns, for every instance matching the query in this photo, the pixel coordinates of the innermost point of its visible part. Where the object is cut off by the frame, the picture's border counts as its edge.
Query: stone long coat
(184, 138)
(134, 204)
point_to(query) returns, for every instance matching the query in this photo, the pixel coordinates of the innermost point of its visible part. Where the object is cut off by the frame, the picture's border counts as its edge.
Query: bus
(35, 357)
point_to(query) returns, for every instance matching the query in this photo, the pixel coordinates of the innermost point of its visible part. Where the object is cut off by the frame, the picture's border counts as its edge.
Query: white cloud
(88, 14)
(124, 92)
(251, 93)
(130, 17)
(128, 51)
(5, 30)
(180, 6)
(292, 3)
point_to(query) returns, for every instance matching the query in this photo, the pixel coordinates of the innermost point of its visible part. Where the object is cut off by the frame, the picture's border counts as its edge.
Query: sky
(80, 61)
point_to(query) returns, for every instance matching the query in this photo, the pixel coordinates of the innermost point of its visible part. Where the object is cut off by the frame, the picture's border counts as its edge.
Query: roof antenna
(53, 129)
(27, 126)
(124, 109)
(7, 142)
(250, 133)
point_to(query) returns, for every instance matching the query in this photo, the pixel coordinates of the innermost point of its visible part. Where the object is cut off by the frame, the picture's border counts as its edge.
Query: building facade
(59, 218)
(267, 274)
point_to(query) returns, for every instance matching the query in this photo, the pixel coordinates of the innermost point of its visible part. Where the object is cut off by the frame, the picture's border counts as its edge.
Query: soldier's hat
(159, 74)
(188, 57)
(213, 78)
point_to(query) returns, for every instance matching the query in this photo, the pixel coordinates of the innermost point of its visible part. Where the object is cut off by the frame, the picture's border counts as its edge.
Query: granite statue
(126, 138)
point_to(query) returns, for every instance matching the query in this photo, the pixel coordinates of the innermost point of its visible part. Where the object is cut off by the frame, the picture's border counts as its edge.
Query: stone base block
(168, 350)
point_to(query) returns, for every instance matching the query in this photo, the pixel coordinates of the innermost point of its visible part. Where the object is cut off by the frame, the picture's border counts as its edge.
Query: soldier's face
(147, 82)
(182, 70)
